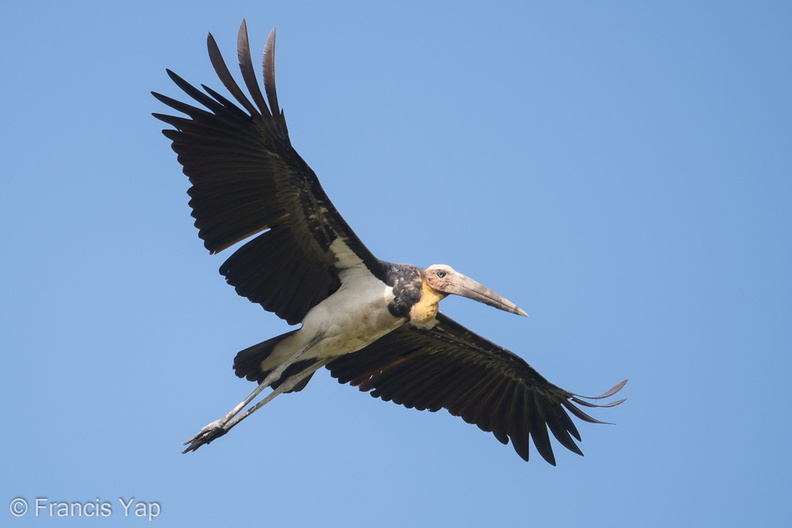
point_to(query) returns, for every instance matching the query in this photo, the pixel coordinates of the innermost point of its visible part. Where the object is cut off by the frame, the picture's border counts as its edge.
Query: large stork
(373, 324)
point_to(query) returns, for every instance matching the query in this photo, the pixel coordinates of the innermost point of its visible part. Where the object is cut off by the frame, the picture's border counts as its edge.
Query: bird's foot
(210, 432)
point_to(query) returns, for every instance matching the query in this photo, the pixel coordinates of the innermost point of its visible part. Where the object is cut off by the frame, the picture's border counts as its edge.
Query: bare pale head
(447, 280)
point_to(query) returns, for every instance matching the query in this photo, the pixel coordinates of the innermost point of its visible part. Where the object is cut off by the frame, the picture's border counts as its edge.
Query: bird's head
(446, 280)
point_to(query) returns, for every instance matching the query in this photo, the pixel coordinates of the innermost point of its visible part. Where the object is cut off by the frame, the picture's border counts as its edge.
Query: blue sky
(623, 172)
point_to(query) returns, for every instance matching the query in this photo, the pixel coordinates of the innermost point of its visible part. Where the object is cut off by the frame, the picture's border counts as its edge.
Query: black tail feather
(247, 364)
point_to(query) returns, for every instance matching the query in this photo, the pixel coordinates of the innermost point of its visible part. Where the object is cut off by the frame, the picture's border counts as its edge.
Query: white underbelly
(353, 317)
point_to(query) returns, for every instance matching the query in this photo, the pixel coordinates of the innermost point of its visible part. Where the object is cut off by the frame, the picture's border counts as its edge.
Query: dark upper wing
(246, 178)
(450, 367)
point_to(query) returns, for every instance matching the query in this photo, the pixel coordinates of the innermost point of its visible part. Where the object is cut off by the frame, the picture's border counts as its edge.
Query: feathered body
(373, 324)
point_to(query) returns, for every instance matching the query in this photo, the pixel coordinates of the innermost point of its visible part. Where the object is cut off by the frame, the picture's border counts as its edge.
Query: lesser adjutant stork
(373, 324)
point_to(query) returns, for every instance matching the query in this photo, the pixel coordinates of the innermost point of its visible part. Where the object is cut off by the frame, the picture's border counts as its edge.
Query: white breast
(354, 316)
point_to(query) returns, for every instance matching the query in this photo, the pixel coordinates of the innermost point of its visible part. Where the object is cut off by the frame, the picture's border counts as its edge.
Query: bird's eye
(441, 273)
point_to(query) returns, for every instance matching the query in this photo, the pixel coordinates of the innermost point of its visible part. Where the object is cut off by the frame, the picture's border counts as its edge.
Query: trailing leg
(220, 427)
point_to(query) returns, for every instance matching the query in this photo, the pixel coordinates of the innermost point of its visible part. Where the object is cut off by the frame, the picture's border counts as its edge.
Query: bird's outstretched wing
(450, 367)
(247, 179)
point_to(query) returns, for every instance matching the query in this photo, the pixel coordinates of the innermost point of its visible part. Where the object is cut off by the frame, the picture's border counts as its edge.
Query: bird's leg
(220, 427)
(283, 387)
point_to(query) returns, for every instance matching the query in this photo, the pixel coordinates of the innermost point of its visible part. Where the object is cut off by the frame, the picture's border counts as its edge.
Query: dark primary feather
(246, 178)
(450, 367)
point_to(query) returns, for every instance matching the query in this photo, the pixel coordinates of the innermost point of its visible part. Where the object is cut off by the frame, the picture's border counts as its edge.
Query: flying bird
(373, 324)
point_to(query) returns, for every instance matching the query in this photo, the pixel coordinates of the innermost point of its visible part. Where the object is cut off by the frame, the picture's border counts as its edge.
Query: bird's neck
(426, 308)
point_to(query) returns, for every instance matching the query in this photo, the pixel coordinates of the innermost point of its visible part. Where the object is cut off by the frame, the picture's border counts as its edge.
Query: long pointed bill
(467, 287)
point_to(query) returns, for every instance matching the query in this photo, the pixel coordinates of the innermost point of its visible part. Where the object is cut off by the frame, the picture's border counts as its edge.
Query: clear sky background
(621, 170)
